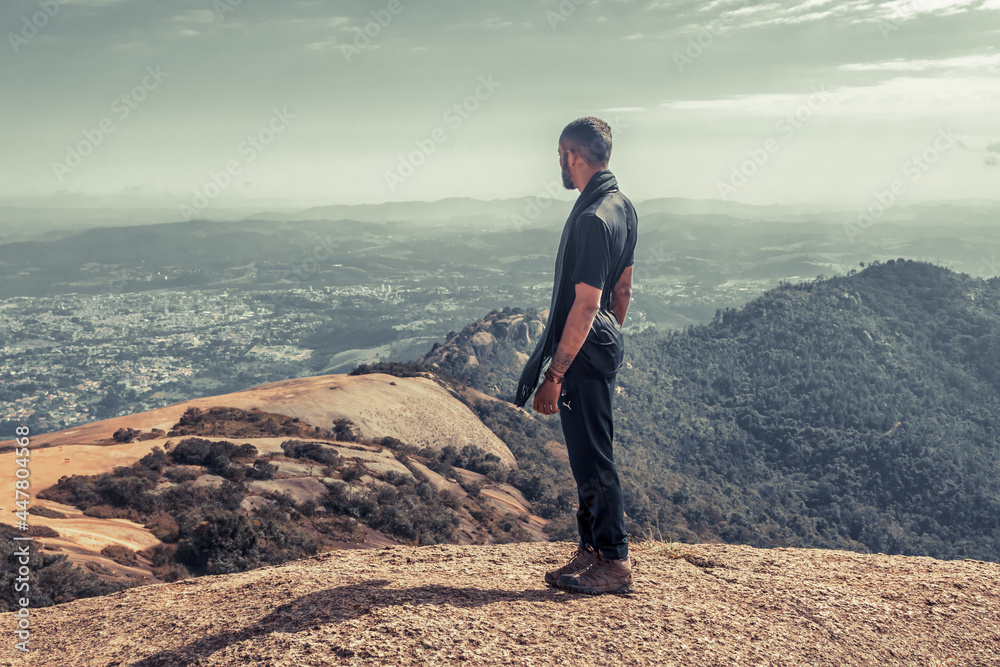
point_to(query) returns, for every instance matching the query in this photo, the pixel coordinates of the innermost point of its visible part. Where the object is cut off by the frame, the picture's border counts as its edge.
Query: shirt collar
(595, 180)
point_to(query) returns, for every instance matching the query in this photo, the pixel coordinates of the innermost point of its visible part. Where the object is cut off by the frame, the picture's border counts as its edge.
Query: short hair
(590, 137)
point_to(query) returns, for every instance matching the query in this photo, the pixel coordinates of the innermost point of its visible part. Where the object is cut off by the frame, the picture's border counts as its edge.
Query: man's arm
(581, 317)
(622, 294)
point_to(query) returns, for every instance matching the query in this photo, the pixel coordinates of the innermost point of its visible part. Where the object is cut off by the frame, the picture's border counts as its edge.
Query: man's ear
(573, 158)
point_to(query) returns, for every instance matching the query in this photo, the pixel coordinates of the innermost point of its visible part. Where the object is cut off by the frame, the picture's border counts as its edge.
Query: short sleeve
(593, 252)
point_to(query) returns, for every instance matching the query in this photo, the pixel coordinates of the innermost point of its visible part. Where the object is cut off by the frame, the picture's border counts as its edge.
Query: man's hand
(621, 295)
(586, 303)
(547, 398)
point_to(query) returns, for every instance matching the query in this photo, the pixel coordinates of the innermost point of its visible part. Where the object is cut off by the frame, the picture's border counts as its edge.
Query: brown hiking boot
(606, 575)
(582, 559)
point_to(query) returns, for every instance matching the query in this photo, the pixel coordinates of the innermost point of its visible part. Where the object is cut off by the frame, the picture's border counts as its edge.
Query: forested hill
(860, 412)
(857, 412)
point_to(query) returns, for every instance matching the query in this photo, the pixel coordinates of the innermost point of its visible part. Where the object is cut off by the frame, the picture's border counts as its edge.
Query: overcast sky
(823, 101)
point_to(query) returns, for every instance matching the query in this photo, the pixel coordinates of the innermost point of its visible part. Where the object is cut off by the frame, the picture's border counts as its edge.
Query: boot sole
(553, 581)
(590, 590)
(593, 590)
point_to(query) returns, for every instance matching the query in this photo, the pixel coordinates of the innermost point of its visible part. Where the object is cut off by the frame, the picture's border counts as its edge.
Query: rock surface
(487, 605)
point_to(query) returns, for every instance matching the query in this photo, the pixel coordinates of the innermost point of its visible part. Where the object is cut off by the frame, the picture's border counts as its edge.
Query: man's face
(567, 178)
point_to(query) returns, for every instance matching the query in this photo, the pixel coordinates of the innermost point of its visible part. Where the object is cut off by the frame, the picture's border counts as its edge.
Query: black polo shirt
(601, 243)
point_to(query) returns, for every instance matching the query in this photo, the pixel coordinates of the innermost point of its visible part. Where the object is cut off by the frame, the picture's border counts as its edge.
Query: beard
(567, 178)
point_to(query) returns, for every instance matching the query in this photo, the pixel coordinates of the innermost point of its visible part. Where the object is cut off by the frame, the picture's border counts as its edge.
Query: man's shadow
(335, 605)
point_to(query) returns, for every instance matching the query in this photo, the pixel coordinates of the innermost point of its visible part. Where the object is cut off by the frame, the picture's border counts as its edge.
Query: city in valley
(125, 318)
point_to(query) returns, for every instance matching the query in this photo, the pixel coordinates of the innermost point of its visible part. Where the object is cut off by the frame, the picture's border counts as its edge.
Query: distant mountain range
(19, 222)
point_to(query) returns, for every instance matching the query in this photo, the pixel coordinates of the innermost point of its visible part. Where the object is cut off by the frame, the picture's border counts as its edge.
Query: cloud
(92, 3)
(196, 16)
(850, 12)
(322, 23)
(990, 62)
(902, 95)
(971, 142)
(980, 144)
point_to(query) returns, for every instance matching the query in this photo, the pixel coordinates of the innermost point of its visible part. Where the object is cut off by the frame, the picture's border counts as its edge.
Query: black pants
(585, 412)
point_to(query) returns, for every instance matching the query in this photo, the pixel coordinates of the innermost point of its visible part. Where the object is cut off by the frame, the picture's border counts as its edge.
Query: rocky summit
(709, 604)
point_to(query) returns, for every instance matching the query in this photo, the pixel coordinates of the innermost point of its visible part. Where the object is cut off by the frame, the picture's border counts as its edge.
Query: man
(583, 339)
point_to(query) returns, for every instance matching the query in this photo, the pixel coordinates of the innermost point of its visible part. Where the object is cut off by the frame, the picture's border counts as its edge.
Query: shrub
(353, 472)
(41, 531)
(307, 507)
(127, 491)
(222, 543)
(155, 460)
(110, 512)
(191, 451)
(159, 554)
(414, 511)
(76, 490)
(120, 554)
(53, 578)
(344, 430)
(238, 423)
(314, 451)
(397, 445)
(172, 572)
(181, 474)
(125, 435)
(341, 529)
(261, 469)
(246, 451)
(163, 526)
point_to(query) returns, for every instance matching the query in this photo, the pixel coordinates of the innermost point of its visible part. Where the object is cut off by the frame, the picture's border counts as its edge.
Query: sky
(228, 103)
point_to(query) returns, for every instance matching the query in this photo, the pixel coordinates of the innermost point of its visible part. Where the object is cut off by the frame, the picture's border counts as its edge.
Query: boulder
(535, 329)
(518, 332)
(482, 343)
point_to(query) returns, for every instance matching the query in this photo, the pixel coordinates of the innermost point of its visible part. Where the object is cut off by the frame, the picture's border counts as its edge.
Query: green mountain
(856, 412)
